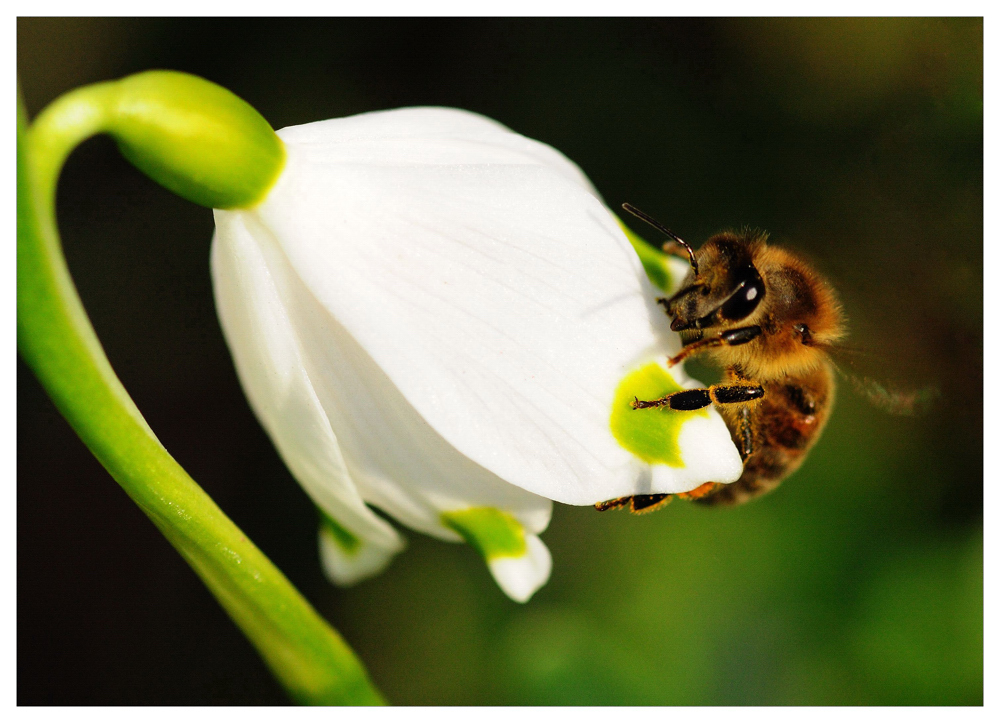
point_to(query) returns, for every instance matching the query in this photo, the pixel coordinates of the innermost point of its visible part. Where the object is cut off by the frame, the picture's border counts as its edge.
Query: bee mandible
(769, 320)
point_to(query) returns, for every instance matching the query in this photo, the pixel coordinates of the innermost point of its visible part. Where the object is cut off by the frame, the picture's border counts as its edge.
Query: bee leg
(745, 434)
(615, 504)
(699, 492)
(641, 504)
(637, 504)
(691, 399)
(733, 337)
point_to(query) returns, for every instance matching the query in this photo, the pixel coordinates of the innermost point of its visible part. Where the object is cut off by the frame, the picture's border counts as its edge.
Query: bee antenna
(663, 229)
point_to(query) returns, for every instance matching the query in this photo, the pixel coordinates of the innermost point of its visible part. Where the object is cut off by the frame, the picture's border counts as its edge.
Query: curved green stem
(56, 339)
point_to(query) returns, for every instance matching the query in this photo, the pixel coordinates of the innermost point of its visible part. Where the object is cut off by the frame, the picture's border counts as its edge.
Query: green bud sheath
(193, 137)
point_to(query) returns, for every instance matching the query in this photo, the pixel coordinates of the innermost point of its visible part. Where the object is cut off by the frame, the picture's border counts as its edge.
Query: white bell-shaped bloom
(434, 315)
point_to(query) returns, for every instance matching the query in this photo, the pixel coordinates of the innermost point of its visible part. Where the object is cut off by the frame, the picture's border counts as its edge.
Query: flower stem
(56, 339)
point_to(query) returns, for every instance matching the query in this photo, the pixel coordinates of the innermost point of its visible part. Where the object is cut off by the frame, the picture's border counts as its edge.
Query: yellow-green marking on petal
(344, 539)
(491, 531)
(649, 434)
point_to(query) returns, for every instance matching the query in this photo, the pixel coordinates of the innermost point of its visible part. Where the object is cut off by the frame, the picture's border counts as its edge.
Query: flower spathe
(433, 315)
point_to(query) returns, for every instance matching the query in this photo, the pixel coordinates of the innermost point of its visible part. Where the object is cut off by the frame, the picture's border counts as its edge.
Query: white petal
(495, 292)
(349, 566)
(426, 136)
(520, 577)
(268, 358)
(398, 462)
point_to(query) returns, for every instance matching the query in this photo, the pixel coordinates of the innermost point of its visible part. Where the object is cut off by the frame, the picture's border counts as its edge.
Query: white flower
(432, 314)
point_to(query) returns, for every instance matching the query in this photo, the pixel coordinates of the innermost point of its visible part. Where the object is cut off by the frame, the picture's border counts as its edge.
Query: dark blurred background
(859, 581)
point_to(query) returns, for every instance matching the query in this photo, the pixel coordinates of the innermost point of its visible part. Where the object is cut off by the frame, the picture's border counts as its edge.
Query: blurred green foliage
(858, 142)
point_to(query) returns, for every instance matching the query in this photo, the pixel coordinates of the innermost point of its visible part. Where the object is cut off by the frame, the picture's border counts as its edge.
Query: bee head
(723, 285)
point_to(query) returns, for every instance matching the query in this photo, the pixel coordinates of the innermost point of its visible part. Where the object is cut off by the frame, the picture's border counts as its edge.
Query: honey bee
(767, 318)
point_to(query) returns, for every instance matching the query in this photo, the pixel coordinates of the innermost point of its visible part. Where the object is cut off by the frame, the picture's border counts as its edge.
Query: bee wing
(887, 396)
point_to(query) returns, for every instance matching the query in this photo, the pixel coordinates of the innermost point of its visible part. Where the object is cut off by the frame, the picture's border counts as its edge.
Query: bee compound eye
(746, 298)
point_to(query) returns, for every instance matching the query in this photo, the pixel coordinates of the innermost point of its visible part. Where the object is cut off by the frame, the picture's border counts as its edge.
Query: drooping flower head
(438, 317)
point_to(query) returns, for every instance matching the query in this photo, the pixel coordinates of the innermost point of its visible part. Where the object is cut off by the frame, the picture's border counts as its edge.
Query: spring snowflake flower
(435, 316)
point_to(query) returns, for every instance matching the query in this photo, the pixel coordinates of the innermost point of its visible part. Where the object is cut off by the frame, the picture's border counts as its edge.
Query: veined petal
(426, 136)
(268, 357)
(492, 292)
(397, 461)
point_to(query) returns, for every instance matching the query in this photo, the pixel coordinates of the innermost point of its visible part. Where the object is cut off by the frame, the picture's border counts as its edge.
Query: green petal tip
(494, 533)
(650, 434)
